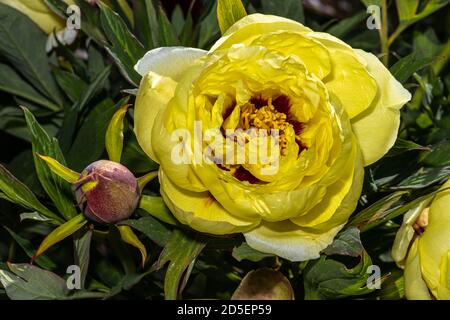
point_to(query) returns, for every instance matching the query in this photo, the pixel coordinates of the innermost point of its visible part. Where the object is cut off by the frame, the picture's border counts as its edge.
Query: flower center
(265, 114)
(267, 118)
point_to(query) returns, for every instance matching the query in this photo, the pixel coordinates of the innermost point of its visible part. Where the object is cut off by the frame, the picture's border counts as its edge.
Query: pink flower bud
(107, 192)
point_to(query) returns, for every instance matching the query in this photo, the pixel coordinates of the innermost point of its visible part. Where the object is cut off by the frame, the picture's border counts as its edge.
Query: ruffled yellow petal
(154, 93)
(290, 241)
(349, 81)
(377, 127)
(434, 244)
(253, 26)
(415, 286)
(201, 211)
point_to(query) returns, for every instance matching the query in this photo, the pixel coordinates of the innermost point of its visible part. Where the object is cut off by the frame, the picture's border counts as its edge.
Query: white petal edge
(294, 245)
(168, 61)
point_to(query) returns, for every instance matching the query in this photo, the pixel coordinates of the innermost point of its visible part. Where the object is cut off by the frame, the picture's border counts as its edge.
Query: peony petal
(377, 127)
(255, 25)
(168, 61)
(349, 80)
(290, 241)
(154, 93)
(434, 243)
(415, 287)
(201, 211)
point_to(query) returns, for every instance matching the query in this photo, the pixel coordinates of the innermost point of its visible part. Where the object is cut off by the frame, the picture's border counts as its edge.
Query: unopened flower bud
(107, 192)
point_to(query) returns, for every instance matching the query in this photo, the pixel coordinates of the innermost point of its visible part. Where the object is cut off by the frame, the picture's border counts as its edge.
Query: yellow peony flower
(335, 109)
(47, 20)
(427, 260)
(39, 12)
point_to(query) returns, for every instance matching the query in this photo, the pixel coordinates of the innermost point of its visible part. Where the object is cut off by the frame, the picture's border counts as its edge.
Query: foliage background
(74, 91)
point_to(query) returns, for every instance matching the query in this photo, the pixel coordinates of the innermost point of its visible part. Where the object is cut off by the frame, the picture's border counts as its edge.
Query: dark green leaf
(438, 156)
(167, 34)
(125, 49)
(181, 252)
(245, 252)
(43, 261)
(27, 282)
(346, 243)
(15, 191)
(71, 84)
(23, 44)
(57, 189)
(291, 9)
(89, 144)
(82, 244)
(152, 228)
(12, 83)
(424, 177)
(402, 146)
(329, 279)
(405, 67)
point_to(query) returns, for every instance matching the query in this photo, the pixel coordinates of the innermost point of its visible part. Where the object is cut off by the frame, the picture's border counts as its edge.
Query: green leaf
(402, 146)
(424, 177)
(167, 34)
(291, 9)
(93, 89)
(22, 43)
(89, 143)
(229, 12)
(12, 83)
(43, 261)
(114, 135)
(345, 26)
(209, 30)
(91, 25)
(181, 252)
(134, 158)
(326, 278)
(82, 244)
(128, 236)
(15, 191)
(245, 252)
(70, 83)
(27, 282)
(35, 216)
(403, 69)
(439, 155)
(60, 170)
(155, 206)
(57, 189)
(125, 49)
(408, 10)
(60, 233)
(389, 211)
(376, 210)
(152, 228)
(346, 243)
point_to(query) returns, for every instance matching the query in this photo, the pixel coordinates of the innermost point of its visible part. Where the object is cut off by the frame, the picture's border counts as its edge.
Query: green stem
(384, 33)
